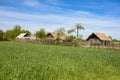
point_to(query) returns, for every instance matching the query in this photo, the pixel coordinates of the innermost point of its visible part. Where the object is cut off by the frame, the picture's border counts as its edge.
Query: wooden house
(98, 39)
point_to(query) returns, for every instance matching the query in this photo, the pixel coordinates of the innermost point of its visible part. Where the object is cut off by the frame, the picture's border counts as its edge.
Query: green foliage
(16, 31)
(41, 33)
(115, 40)
(13, 33)
(80, 37)
(110, 37)
(71, 37)
(26, 31)
(70, 31)
(20, 61)
(8, 35)
(76, 29)
(60, 32)
(1, 35)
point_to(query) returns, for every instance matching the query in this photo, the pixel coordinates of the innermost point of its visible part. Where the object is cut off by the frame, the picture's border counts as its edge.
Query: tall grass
(23, 61)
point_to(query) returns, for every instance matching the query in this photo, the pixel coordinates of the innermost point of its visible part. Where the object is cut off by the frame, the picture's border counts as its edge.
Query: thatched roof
(21, 35)
(54, 35)
(101, 36)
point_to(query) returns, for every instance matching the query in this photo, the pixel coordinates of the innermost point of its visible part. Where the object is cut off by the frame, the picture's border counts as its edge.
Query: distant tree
(80, 37)
(76, 29)
(26, 31)
(110, 37)
(16, 31)
(41, 33)
(60, 32)
(115, 40)
(71, 37)
(1, 34)
(8, 35)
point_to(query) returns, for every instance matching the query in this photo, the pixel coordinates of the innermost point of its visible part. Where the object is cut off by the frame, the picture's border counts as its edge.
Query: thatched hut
(98, 39)
(55, 36)
(24, 37)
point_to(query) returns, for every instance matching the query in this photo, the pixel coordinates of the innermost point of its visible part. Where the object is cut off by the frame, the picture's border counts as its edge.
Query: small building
(24, 37)
(54, 36)
(98, 39)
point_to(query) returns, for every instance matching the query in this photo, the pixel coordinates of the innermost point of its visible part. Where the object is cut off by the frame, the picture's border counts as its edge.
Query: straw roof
(101, 36)
(21, 35)
(55, 36)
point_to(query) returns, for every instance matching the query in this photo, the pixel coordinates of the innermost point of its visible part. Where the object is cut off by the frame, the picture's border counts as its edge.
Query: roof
(54, 36)
(21, 35)
(101, 36)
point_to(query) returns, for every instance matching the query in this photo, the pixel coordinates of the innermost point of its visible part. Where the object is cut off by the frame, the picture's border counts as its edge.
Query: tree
(80, 37)
(60, 32)
(16, 31)
(26, 31)
(110, 37)
(41, 33)
(8, 35)
(76, 29)
(71, 38)
(1, 34)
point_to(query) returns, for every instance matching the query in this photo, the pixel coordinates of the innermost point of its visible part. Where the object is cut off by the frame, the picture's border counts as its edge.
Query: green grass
(24, 61)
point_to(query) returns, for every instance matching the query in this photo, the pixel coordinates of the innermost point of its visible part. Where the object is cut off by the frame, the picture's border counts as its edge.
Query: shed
(98, 39)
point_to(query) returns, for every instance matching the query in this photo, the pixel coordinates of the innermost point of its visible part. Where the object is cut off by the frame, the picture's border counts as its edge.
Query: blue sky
(95, 15)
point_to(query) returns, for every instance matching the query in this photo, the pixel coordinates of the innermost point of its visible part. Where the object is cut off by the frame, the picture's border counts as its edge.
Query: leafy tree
(80, 37)
(1, 35)
(8, 35)
(76, 29)
(16, 31)
(71, 37)
(110, 37)
(41, 33)
(60, 32)
(115, 40)
(26, 31)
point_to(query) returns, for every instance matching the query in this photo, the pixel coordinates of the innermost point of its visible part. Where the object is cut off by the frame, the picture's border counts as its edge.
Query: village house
(24, 37)
(98, 39)
(54, 36)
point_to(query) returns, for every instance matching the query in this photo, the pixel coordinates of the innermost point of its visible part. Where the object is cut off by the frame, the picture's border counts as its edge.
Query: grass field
(24, 61)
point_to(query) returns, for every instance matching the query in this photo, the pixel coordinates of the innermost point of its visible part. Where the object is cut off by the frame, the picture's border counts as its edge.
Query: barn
(98, 39)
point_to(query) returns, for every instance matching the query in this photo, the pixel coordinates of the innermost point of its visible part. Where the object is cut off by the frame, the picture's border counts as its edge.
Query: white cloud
(50, 22)
(31, 3)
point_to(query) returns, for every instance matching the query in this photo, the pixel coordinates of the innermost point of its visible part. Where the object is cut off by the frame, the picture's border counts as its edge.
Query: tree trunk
(77, 32)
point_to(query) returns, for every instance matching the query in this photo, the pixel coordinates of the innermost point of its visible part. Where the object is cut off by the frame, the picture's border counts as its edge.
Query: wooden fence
(115, 45)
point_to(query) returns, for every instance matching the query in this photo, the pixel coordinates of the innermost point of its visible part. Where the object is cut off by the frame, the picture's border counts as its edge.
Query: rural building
(98, 39)
(54, 36)
(24, 37)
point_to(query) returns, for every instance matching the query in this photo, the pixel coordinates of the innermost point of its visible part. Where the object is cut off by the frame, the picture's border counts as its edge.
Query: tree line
(11, 34)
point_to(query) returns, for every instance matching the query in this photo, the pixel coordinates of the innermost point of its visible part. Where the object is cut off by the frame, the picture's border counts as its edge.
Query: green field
(24, 61)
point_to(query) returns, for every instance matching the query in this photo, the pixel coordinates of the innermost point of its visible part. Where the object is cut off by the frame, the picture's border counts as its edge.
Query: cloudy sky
(95, 15)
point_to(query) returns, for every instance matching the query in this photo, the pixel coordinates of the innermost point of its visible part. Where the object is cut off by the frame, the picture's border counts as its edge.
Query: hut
(55, 36)
(24, 37)
(98, 39)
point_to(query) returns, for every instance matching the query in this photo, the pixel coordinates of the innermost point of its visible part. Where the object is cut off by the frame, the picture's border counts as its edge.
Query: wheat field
(25, 61)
